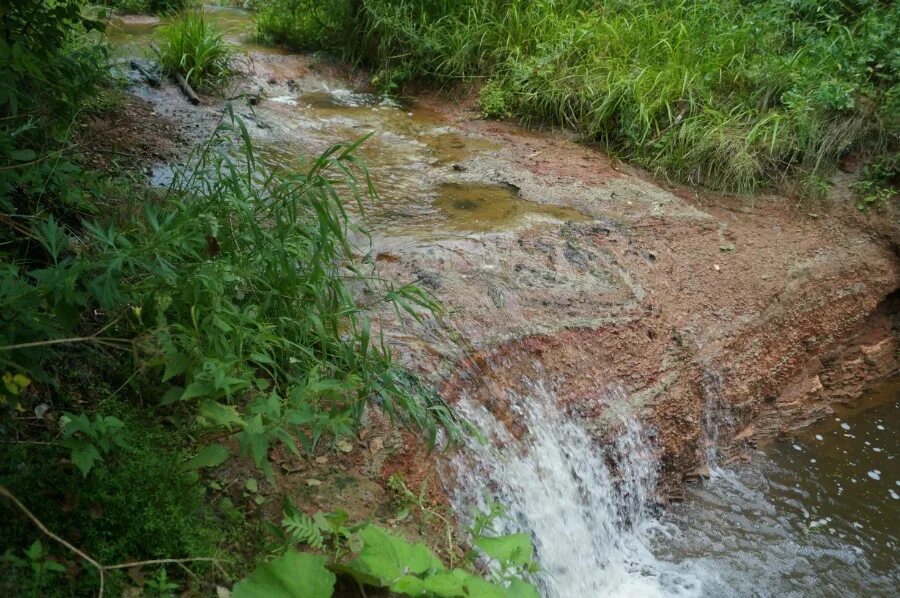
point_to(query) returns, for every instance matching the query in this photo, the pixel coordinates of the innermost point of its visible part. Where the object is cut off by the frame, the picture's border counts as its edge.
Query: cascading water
(715, 414)
(586, 507)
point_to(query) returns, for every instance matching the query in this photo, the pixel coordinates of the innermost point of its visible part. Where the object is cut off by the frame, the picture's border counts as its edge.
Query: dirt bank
(762, 312)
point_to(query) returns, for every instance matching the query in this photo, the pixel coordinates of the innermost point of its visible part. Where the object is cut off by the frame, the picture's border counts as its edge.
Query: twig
(41, 159)
(19, 228)
(205, 559)
(101, 569)
(29, 442)
(186, 88)
(103, 340)
(43, 528)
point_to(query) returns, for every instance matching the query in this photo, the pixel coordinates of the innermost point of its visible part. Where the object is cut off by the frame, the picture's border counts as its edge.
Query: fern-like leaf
(303, 529)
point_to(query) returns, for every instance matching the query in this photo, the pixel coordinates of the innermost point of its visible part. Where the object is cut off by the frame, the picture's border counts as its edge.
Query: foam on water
(585, 506)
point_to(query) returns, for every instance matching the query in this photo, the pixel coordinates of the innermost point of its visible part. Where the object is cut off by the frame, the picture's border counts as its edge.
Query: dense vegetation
(149, 336)
(731, 94)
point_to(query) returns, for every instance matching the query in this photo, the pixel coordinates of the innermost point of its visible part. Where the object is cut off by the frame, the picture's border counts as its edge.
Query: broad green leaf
(172, 395)
(219, 414)
(477, 587)
(447, 585)
(197, 389)
(295, 575)
(84, 455)
(520, 589)
(389, 557)
(409, 585)
(209, 456)
(515, 549)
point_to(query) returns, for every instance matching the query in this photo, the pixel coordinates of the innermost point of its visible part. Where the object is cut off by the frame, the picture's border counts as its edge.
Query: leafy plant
(295, 574)
(160, 584)
(494, 101)
(36, 560)
(303, 529)
(13, 385)
(89, 440)
(878, 182)
(379, 559)
(195, 50)
(383, 560)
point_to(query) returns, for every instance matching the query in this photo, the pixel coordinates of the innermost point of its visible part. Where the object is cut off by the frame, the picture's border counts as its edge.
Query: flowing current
(586, 507)
(816, 515)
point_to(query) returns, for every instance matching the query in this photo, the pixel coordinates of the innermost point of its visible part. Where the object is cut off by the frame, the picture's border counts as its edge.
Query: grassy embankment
(734, 95)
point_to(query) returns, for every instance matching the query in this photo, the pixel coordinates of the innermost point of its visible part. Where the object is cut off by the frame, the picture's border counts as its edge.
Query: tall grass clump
(733, 94)
(194, 49)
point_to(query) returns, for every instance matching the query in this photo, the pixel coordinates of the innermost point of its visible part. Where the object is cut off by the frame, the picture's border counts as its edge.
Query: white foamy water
(585, 506)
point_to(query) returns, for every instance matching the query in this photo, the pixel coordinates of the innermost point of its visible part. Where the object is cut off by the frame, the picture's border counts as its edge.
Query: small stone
(716, 267)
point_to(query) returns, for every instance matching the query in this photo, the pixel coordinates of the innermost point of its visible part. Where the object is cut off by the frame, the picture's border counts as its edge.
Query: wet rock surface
(767, 309)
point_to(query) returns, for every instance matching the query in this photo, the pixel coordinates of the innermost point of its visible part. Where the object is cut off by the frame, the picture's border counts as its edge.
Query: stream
(814, 515)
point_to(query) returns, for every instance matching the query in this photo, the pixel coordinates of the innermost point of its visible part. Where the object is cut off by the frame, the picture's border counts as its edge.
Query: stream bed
(814, 515)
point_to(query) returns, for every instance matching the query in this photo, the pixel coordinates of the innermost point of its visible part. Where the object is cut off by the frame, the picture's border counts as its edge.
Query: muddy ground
(762, 311)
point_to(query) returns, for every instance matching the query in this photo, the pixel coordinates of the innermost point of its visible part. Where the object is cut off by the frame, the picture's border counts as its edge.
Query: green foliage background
(732, 94)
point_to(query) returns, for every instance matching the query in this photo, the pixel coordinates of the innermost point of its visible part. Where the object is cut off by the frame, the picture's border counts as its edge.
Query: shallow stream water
(816, 515)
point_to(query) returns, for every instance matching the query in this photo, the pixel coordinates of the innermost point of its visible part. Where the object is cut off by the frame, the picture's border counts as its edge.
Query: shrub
(879, 182)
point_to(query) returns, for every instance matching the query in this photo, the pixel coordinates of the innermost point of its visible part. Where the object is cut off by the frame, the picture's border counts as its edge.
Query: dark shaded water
(818, 515)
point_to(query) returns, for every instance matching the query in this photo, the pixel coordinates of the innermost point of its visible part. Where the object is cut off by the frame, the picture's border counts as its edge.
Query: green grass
(194, 49)
(734, 95)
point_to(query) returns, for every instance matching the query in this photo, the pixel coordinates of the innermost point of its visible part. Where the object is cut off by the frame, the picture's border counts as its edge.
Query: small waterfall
(585, 506)
(715, 414)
